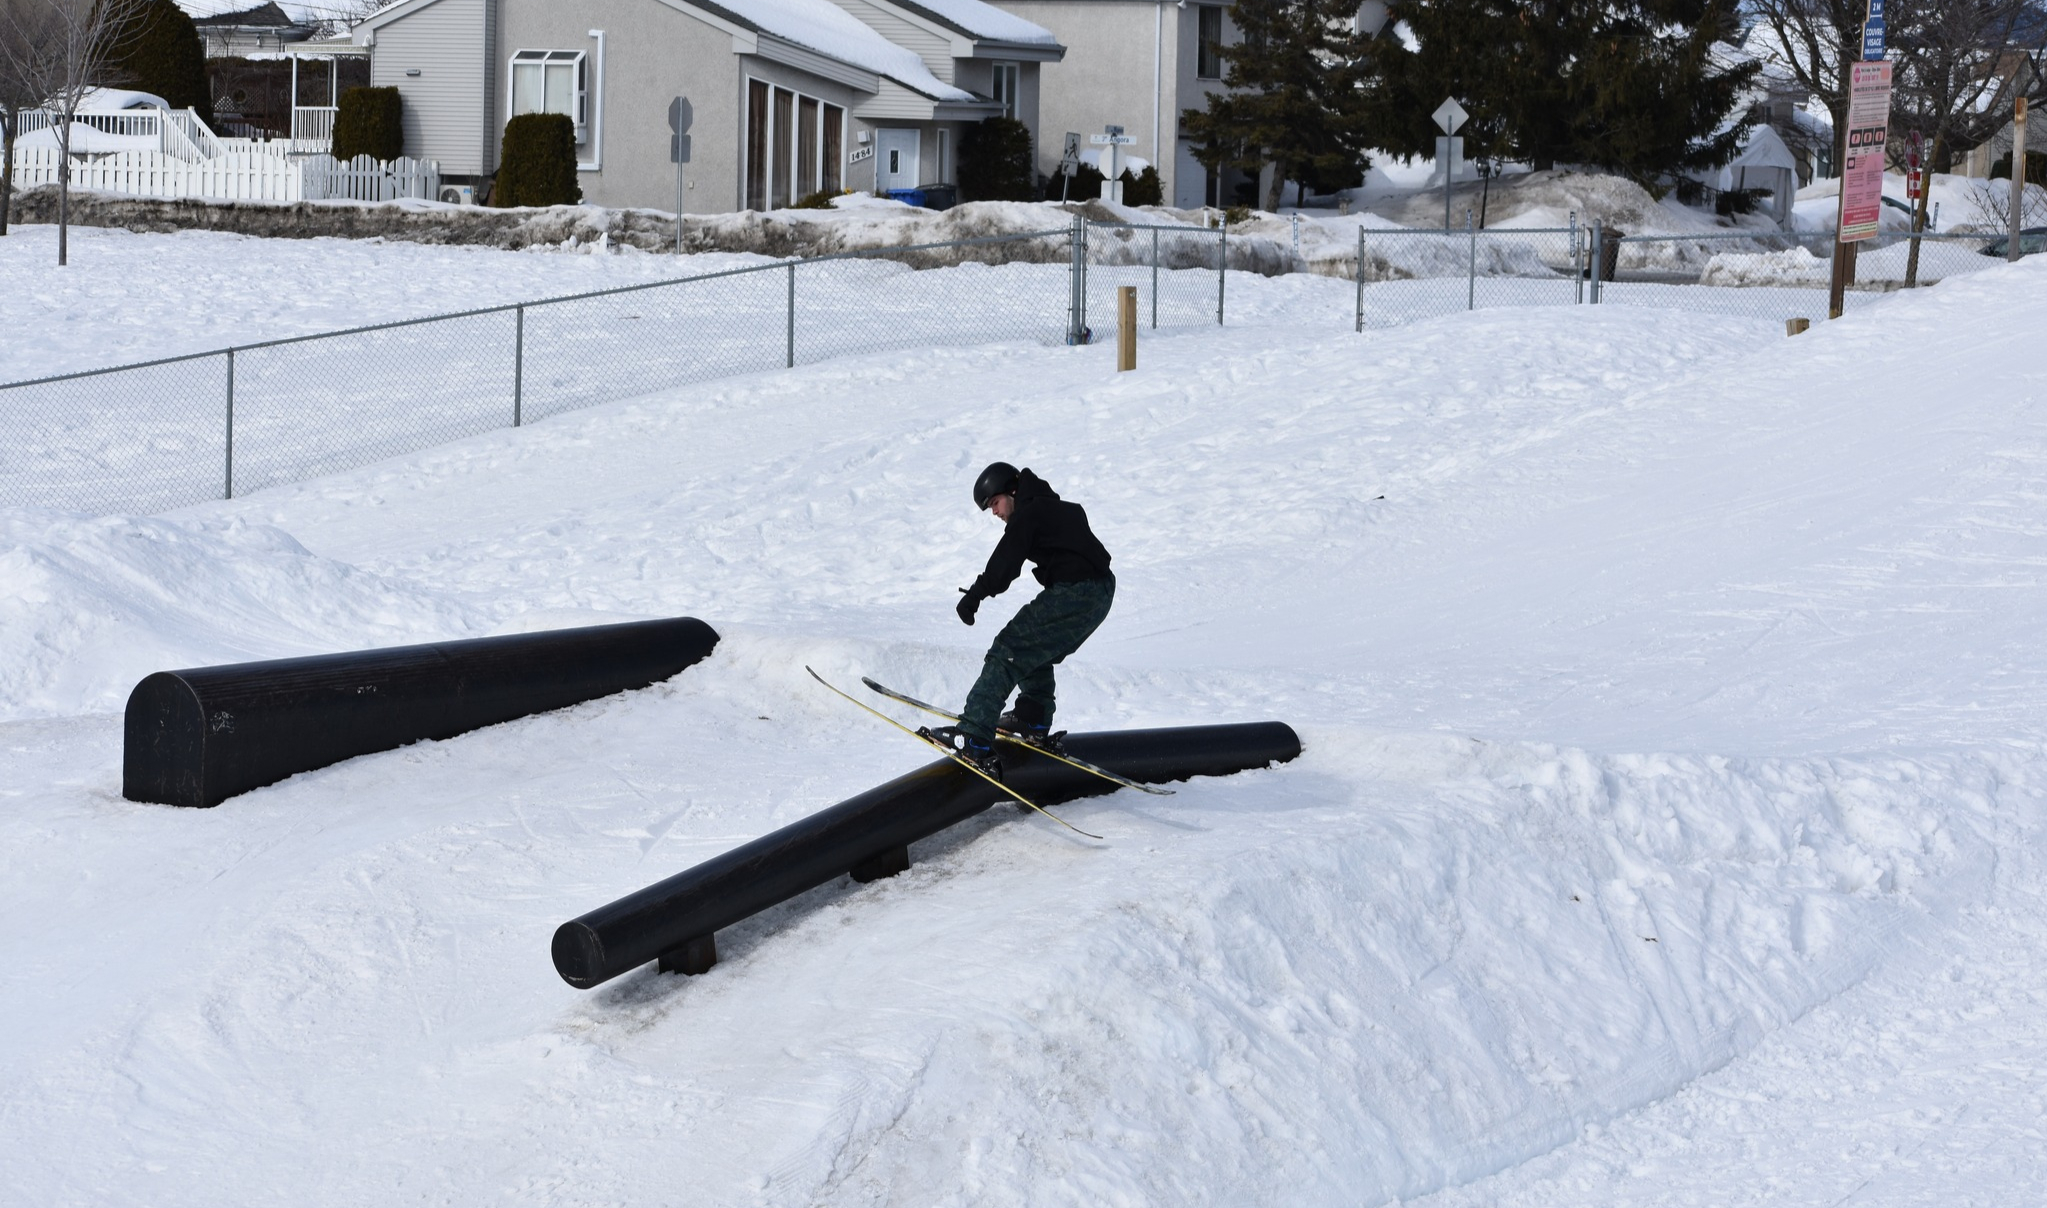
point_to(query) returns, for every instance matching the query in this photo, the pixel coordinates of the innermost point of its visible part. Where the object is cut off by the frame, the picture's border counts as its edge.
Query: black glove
(968, 605)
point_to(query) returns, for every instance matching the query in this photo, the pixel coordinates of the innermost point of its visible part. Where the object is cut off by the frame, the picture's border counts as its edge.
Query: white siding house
(788, 96)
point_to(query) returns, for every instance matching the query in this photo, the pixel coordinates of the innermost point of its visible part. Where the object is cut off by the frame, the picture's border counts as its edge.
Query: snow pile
(89, 607)
(1663, 684)
(1793, 266)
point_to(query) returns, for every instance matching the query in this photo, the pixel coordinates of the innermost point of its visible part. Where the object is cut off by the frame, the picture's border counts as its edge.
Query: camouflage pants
(1042, 633)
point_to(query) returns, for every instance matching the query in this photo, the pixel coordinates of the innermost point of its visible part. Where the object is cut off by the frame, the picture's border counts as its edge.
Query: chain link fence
(166, 433)
(1406, 275)
(180, 430)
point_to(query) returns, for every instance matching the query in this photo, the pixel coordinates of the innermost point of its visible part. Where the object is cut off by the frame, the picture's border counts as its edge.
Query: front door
(896, 154)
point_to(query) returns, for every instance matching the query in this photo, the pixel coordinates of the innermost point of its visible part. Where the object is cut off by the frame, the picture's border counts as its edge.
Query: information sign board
(1862, 176)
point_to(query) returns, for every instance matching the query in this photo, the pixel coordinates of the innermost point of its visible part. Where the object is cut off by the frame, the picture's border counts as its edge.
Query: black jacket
(1049, 531)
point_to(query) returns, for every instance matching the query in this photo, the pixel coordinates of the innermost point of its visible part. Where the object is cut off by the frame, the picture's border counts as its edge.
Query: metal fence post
(229, 492)
(790, 362)
(518, 365)
(1577, 268)
(1154, 278)
(1597, 257)
(1076, 283)
(1361, 281)
(1471, 264)
(1222, 269)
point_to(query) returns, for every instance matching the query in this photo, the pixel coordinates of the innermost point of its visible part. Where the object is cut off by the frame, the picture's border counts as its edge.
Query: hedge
(370, 121)
(537, 166)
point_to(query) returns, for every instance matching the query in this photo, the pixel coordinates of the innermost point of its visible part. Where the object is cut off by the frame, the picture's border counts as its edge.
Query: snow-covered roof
(982, 21)
(113, 100)
(826, 28)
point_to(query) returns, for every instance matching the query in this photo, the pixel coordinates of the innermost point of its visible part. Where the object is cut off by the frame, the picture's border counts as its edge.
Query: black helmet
(997, 479)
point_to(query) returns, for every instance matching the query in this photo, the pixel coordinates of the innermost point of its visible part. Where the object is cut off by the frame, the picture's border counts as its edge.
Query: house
(785, 97)
(1136, 64)
(236, 29)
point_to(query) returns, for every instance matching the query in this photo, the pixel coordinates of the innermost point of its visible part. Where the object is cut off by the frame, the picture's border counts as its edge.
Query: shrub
(2036, 168)
(370, 121)
(1738, 201)
(538, 164)
(1237, 215)
(155, 47)
(820, 200)
(1144, 189)
(995, 162)
(1085, 185)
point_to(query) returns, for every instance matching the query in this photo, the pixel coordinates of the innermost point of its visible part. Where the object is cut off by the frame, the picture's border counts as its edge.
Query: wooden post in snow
(1126, 328)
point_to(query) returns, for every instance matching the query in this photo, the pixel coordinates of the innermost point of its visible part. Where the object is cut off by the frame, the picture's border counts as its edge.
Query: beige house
(786, 97)
(1135, 64)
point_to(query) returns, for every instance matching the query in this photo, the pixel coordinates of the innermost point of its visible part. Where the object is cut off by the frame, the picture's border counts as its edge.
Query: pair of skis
(1003, 735)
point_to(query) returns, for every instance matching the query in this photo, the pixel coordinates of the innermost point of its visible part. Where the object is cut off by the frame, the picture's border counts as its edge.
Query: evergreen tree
(156, 48)
(1631, 86)
(1295, 96)
(995, 162)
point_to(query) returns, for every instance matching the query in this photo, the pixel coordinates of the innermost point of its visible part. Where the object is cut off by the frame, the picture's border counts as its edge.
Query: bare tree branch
(53, 53)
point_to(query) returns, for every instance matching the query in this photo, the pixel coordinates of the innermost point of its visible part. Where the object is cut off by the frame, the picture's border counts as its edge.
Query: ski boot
(980, 754)
(1037, 734)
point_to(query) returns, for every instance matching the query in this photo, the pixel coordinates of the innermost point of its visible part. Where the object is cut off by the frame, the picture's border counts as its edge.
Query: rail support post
(692, 956)
(882, 864)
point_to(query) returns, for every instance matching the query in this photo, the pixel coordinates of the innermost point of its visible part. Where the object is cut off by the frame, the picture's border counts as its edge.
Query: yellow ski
(952, 755)
(1021, 741)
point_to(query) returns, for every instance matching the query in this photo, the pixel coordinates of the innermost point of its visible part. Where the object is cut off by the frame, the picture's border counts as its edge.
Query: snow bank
(90, 606)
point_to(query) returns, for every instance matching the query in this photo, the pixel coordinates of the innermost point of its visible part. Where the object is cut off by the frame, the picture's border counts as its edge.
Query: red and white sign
(1862, 176)
(1912, 183)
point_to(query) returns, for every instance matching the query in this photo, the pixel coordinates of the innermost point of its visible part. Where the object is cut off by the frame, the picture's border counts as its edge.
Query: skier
(1073, 567)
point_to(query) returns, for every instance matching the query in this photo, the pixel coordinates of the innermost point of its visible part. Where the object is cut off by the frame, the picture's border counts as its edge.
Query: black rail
(676, 921)
(200, 736)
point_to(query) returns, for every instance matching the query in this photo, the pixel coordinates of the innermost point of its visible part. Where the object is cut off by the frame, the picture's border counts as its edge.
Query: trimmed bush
(370, 121)
(537, 166)
(1086, 185)
(156, 48)
(995, 162)
(1144, 189)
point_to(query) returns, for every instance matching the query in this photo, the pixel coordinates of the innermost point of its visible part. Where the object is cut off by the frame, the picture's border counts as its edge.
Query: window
(1208, 30)
(551, 81)
(1003, 87)
(794, 146)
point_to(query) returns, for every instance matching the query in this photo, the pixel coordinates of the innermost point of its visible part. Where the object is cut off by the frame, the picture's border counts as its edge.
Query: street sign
(1112, 140)
(1873, 40)
(680, 115)
(1862, 176)
(1449, 115)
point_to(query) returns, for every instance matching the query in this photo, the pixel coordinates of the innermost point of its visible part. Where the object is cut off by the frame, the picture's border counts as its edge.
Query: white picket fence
(233, 176)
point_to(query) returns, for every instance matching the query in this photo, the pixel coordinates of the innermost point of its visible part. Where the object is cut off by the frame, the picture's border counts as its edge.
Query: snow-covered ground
(1668, 830)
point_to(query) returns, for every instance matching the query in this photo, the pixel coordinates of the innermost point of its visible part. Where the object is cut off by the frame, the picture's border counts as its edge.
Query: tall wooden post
(1126, 328)
(2012, 248)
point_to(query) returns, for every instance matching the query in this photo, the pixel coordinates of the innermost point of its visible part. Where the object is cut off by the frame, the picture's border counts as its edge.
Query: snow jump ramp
(675, 922)
(200, 736)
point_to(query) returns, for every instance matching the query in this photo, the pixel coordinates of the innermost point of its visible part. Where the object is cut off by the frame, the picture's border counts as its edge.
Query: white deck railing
(313, 123)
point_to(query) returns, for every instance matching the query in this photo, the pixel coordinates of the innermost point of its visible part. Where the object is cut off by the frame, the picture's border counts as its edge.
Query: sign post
(1112, 137)
(1449, 149)
(1069, 164)
(1862, 170)
(2018, 181)
(680, 115)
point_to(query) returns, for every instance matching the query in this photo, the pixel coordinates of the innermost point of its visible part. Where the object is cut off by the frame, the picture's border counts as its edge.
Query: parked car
(2032, 242)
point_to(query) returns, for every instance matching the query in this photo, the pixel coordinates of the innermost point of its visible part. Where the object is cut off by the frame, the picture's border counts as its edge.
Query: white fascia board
(1017, 52)
(789, 54)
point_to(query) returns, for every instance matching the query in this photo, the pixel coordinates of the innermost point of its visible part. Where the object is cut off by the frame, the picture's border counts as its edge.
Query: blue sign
(1876, 10)
(1873, 40)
